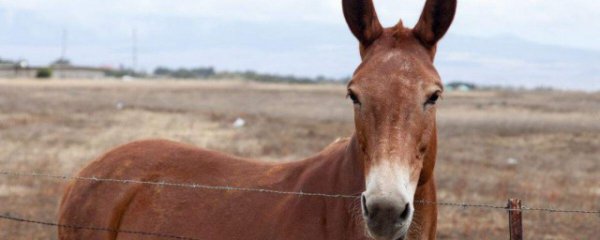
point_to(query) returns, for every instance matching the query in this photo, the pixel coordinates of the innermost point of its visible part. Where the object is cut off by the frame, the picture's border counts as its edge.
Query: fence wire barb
(93, 228)
(272, 191)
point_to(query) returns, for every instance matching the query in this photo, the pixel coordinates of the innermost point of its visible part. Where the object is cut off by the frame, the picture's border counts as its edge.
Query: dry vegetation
(59, 126)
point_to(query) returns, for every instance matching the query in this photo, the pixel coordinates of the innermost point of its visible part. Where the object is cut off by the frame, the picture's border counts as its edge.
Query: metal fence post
(515, 219)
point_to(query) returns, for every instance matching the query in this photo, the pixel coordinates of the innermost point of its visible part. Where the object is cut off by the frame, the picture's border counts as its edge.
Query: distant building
(460, 86)
(60, 69)
(67, 71)
(10, 69)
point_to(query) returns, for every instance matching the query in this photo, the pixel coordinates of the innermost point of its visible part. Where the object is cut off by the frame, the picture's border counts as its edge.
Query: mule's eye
(353, 97)
(433, 98)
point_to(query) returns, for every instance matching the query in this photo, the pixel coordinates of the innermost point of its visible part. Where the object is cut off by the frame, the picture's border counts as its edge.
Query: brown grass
(58, 126)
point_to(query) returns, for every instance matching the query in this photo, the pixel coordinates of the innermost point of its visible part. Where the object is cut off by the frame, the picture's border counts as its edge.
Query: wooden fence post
(515, 219)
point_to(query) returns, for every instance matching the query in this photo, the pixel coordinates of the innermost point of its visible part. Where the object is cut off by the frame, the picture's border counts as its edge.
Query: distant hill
(507, 60)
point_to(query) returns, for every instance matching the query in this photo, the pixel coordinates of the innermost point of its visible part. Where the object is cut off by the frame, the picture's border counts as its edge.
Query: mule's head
(394, 91)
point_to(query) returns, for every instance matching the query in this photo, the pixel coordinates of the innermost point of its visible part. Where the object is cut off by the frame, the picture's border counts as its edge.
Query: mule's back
(184, 211)
(111, 204)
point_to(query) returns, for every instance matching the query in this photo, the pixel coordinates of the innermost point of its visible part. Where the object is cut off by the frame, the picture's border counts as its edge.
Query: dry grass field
(554, 137)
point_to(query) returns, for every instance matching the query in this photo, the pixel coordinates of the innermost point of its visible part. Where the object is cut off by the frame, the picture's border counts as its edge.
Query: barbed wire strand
(272, 191)
(93, 228)
(506, 208)
(170, 184)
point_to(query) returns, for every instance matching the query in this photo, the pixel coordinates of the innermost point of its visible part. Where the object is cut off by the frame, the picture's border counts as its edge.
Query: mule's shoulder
(337, 144)
(155, 143)
(337, 147)
(149, 148)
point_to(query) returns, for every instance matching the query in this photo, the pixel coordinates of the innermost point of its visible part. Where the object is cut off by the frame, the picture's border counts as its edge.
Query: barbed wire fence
(508, 208)
(92, 228)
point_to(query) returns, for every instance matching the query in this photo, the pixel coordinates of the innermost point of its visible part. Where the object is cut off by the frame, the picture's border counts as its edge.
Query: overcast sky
(268, 35)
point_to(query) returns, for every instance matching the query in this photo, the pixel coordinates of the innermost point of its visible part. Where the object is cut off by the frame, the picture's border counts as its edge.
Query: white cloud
(563, 22)
(230, 10)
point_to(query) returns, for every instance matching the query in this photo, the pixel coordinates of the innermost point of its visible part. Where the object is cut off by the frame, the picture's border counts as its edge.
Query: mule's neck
(338, 169)
(350, 167)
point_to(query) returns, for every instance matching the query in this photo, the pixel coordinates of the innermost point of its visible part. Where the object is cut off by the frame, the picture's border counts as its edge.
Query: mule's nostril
(404, 215)
(363, 200)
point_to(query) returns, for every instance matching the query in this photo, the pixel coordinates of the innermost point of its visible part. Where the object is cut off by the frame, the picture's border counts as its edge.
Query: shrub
(44, 73)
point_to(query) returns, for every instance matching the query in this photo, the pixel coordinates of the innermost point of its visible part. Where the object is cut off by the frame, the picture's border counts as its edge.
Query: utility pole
(134, 57)
(63, 51)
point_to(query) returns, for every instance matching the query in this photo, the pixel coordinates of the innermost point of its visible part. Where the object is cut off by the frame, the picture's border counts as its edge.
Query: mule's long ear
(362, 20)
(435, 20)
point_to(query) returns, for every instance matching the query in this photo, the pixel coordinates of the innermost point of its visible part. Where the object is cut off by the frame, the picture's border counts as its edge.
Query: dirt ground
(540, 146)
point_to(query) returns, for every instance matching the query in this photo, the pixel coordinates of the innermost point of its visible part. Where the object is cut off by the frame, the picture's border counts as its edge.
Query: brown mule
(389, 159)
